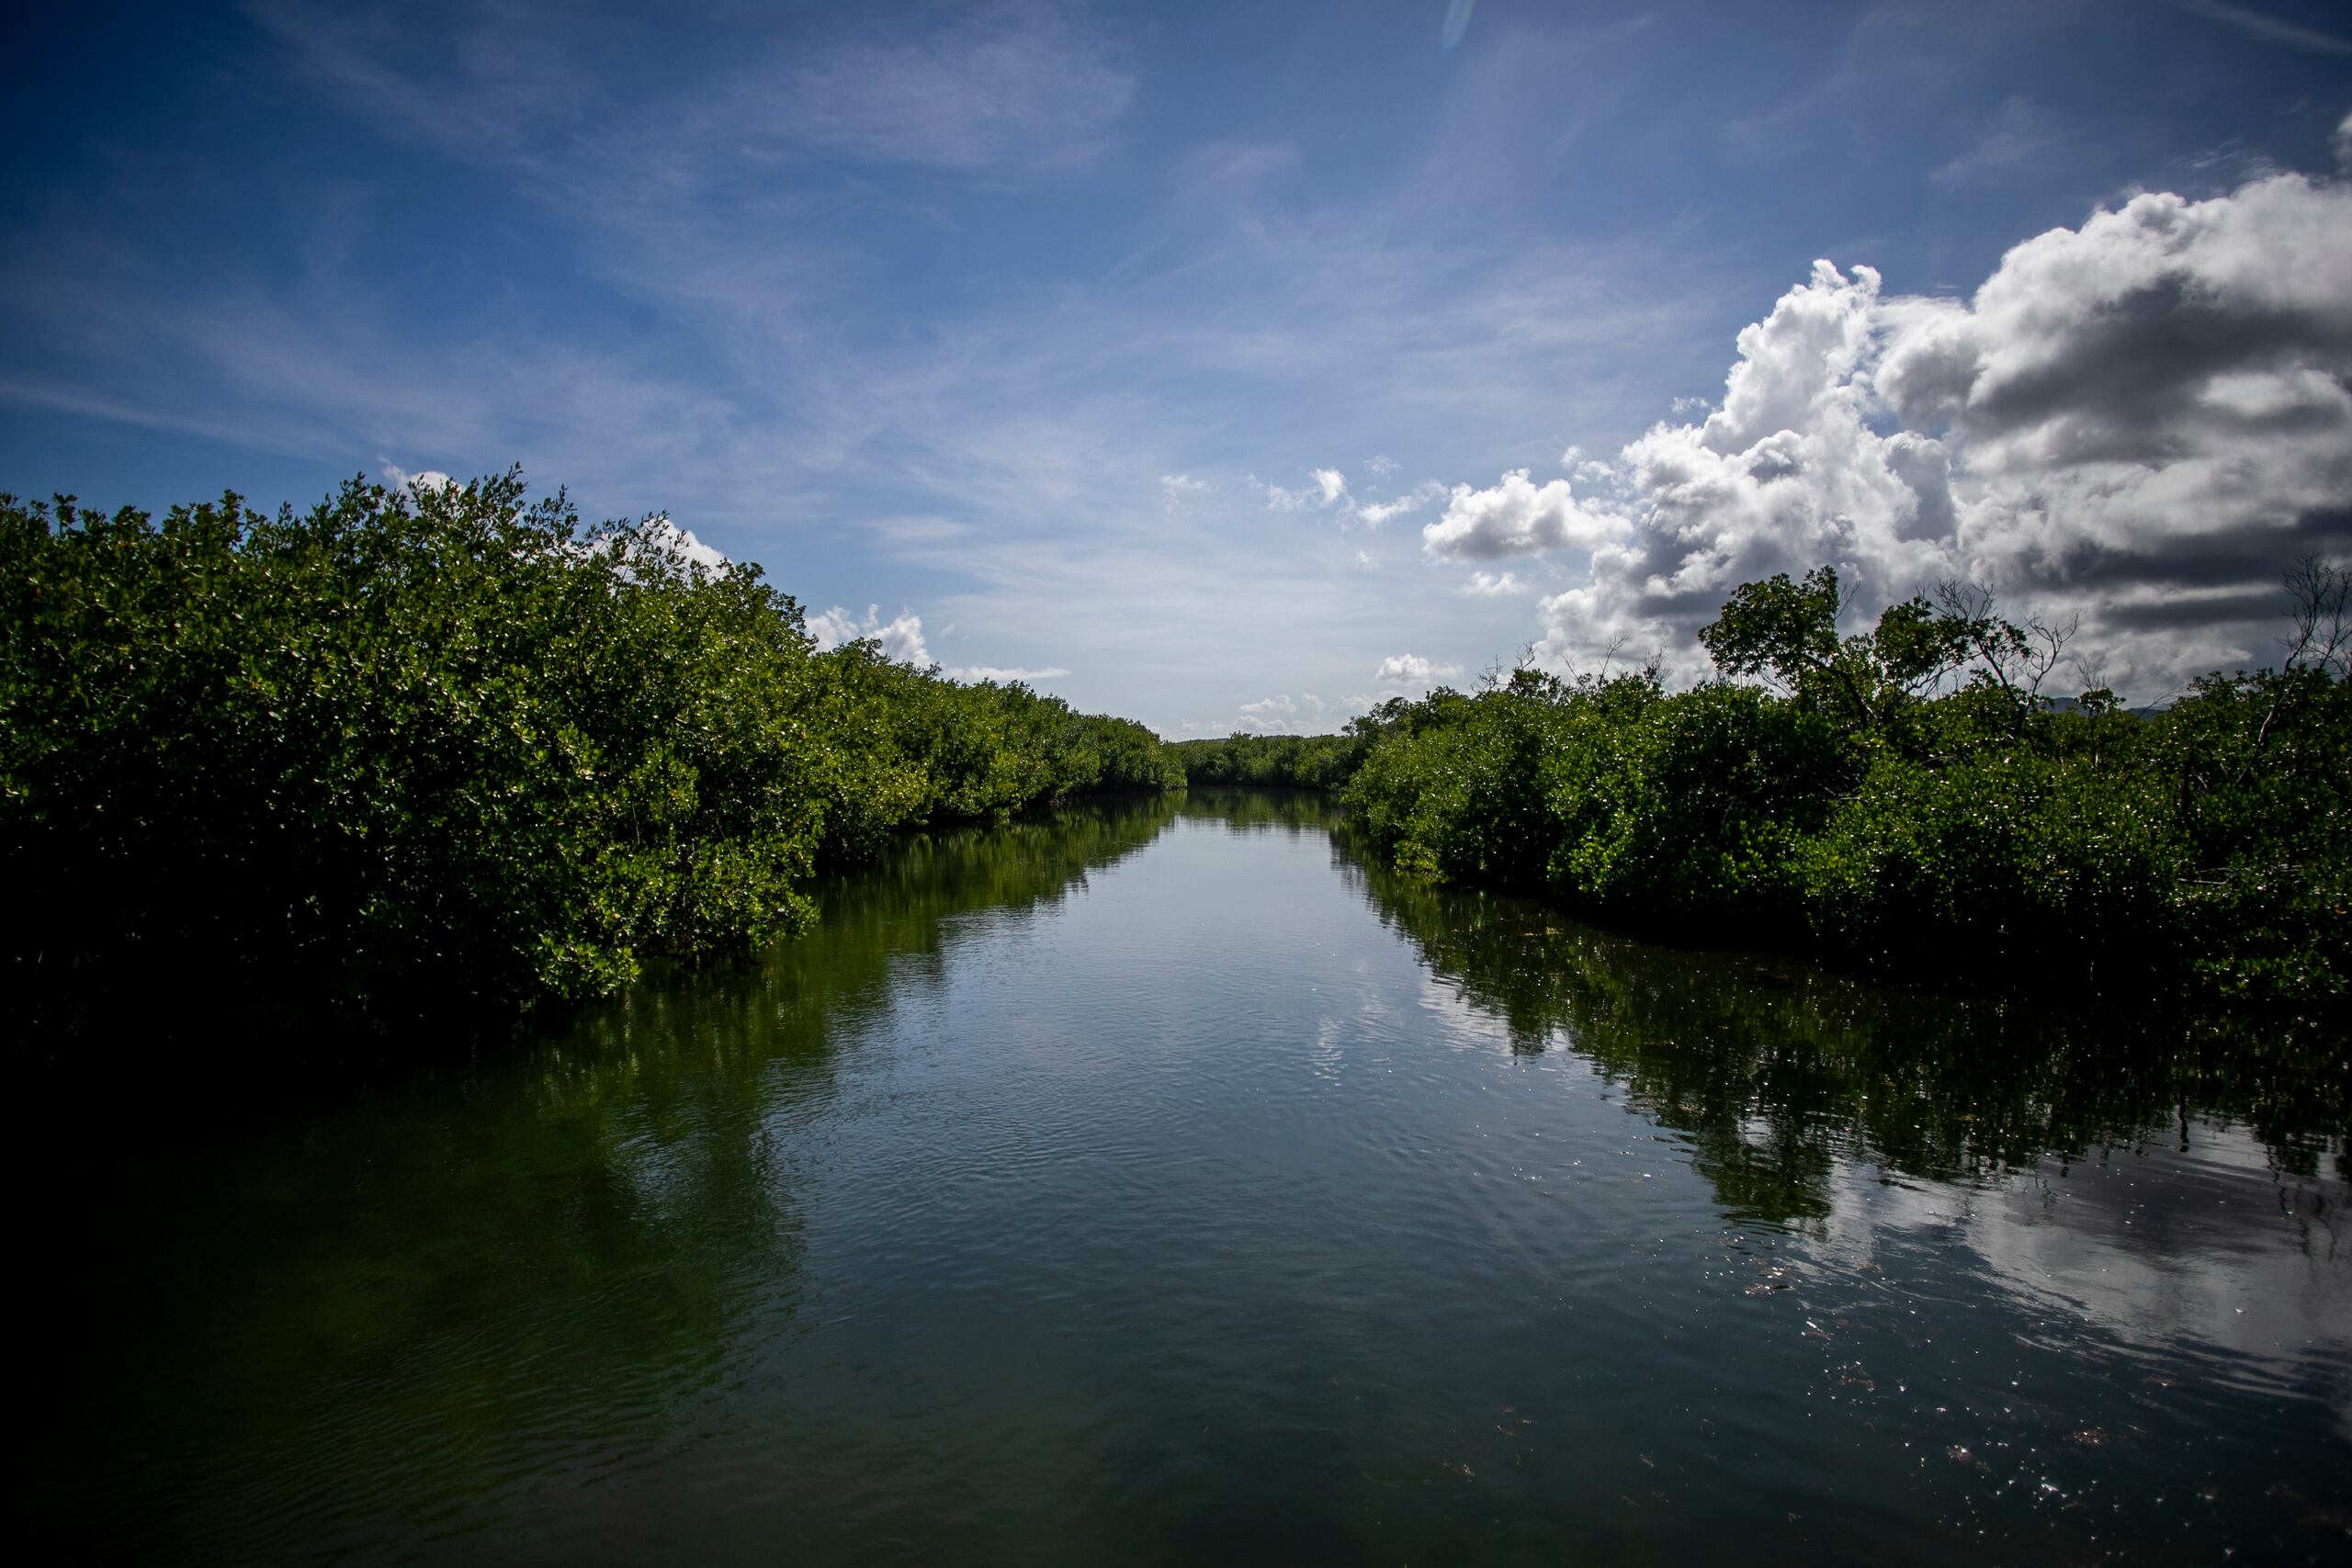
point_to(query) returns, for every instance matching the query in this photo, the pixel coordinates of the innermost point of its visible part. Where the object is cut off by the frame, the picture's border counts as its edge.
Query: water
(1160, 1184)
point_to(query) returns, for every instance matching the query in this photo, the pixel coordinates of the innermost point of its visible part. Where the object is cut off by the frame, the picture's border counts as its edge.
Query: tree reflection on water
(1775, 1069)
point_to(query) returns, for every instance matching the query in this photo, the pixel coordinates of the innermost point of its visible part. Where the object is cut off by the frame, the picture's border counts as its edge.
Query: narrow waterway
(1160, 1184)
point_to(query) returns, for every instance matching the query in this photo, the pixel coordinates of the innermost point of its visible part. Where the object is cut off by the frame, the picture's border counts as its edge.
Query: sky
(1234, 366)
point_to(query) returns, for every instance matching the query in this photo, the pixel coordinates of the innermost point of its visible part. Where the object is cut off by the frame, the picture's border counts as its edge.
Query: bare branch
(2319, 603)
(2091, 669)
(1966, 601)
(1997, 645)
(2046, 646)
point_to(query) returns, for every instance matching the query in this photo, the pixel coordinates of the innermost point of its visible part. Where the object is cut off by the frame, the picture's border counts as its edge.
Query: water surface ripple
(1160, 1183)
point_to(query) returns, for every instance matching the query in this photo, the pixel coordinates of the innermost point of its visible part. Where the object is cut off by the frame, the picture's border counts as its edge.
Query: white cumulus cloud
(2144, 419)
(1518, 518)
(681, 540)
(1411, 669)
(401, 479)
(902, 638)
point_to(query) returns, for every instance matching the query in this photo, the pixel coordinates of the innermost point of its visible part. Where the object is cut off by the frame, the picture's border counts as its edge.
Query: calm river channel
(1160, 1183)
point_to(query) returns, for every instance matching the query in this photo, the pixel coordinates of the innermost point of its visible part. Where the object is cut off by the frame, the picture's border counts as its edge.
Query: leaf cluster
(444, 749)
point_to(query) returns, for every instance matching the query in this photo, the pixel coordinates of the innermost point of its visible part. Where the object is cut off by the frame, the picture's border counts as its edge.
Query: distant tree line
(420, 749)
(1271, 762)
(1906, 798)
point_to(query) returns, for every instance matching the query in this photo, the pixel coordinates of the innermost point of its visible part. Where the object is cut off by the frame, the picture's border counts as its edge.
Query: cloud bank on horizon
(2143, 419)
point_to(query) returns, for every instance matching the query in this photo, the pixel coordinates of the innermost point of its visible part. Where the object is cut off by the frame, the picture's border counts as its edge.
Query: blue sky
(1194, 353)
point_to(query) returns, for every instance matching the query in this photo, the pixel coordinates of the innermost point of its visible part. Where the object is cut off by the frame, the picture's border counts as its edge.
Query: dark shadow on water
(546, 1246)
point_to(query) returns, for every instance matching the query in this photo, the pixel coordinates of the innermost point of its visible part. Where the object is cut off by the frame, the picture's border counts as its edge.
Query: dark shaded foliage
(435, 752)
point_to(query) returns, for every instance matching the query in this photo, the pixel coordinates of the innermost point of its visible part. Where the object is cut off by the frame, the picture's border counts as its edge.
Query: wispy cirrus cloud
(2016, 134)
(1026, 85)
(1373, 514)
(1325, 488)
(2274, 30)
(1328, 492)
(1021, 84)
(995, 309)
(720, 348)
(1006, 674)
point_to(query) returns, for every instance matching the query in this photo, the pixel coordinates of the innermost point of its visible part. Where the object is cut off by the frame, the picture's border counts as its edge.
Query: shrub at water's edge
(441, 749)
(1903, 799)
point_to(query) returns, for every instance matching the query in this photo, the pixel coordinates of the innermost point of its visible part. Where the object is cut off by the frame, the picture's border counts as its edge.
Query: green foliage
(1786, 629)
(1905, 798)
(907, 747)
(1787, 632)
(2260, 767)
(1873, 681)
(1998, 863)
(1690, 810)
(423, 751)
(1272, 762)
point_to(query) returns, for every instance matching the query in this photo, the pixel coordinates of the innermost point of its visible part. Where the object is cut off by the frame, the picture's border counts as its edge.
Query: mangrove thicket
(423, 749)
